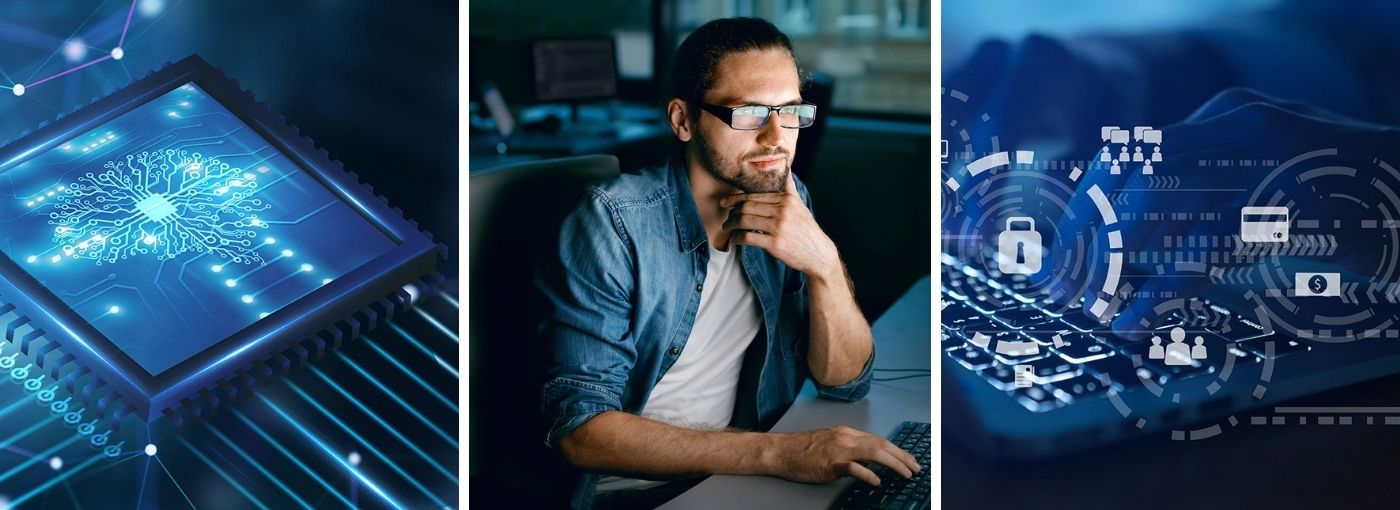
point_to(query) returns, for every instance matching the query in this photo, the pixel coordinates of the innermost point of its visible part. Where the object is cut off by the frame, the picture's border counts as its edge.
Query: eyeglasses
(755, 116)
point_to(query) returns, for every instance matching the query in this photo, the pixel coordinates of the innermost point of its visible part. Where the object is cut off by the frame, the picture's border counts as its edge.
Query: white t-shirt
(700, 389)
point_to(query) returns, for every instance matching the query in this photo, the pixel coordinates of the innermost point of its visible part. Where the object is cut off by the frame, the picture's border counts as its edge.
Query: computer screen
(575, 69)
(175, 225)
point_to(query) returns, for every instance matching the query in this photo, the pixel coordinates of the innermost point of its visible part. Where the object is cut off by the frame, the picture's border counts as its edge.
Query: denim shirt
(625, 288)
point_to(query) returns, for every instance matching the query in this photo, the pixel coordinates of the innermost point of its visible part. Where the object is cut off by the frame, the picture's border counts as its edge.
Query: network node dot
(114, 309)
(353, 458)
(56, 463)
(150, 450)
(18, 90)
(231, 282)
(248, 299)
(118, 53)
(74, 50)
(216, 268)
(306, 268)
(286, 253)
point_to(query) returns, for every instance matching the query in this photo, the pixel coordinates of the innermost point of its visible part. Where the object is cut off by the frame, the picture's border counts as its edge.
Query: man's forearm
(840, 340)
(621, 443)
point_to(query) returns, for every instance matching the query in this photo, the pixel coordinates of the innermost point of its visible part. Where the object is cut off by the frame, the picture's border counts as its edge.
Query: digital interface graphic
(175, 225)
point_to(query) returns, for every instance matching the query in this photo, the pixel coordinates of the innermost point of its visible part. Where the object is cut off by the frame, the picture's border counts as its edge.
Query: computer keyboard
(1072, 349)
(895, 491)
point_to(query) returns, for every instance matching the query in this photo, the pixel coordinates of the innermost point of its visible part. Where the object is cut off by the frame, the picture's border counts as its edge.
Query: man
(693, 301)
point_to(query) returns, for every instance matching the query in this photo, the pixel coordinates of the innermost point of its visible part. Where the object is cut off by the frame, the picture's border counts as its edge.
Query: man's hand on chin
(781, 224)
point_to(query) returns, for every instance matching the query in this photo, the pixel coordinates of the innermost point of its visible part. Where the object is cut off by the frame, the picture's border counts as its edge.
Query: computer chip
(164, 247)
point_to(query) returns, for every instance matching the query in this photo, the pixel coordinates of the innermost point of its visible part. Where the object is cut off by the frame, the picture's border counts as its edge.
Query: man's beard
(732, 172)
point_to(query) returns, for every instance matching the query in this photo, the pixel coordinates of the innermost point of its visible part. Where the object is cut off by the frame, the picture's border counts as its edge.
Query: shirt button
(699, 287)
(675, 351)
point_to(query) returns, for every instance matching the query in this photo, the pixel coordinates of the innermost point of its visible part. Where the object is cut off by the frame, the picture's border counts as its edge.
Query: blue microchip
(173, 235)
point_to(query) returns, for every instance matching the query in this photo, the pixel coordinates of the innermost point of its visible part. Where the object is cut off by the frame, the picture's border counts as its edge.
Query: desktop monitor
(574, 69)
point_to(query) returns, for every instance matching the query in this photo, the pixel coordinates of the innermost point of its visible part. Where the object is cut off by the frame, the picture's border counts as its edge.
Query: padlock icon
(1019, 251)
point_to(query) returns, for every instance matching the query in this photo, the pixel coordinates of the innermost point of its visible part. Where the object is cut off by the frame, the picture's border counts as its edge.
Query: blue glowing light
(162, 204)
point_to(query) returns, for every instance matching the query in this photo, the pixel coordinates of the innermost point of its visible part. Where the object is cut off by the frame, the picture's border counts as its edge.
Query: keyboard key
(1022, 317)
(1081, 348)
(1240, 328)
(1120, 370)
(956, 309)
(1077, 320)
(955, 292)
(1000, 377)
(991, 301)
(1117, 342)
(1050, 369)
(1037, 400)
(1044, 334)
(948, 340)
(971, 357)
(1283, 346)
(959, 316)
(992, 331)
(1077, 389)
(1019, 351)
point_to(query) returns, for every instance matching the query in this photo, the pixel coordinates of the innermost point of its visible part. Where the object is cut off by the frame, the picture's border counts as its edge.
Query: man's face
(756, 161)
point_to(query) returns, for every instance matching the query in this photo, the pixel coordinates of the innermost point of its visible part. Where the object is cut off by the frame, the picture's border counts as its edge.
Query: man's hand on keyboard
(820, 456)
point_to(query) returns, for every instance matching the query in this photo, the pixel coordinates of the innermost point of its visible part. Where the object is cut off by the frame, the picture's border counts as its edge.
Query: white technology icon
(1317, 284)
(1264, 224)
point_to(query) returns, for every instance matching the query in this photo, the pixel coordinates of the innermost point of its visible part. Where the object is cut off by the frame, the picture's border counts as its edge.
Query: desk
(903, 340)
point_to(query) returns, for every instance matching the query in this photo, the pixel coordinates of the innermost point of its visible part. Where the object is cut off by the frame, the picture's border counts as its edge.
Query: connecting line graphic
(117, 53)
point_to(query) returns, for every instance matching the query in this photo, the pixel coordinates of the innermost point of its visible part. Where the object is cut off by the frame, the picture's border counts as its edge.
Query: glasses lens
(797, 116)
(749, 117)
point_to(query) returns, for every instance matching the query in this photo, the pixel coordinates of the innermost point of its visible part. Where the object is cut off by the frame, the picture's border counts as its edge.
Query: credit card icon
(1264, 224)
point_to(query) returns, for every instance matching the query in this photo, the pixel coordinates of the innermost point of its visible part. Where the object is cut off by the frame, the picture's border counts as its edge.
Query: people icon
(1137, 154)
(1115, 169)
(1199, 350)
(1156, 352)
(1123, 154)
(1147, 167)
(1157, 154)
(1103, 155)
(1178, 353)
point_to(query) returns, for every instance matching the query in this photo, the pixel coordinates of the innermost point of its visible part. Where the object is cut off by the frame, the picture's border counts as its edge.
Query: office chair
(515, 216)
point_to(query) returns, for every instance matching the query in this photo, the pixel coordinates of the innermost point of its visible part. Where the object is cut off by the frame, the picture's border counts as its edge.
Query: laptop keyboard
(1046, 360)
(895, 491)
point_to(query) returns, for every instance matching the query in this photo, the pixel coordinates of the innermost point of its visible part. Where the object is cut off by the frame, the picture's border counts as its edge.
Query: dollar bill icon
(1317, 284)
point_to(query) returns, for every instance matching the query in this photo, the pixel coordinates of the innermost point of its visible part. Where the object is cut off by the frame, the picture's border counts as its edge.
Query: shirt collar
(691, 231)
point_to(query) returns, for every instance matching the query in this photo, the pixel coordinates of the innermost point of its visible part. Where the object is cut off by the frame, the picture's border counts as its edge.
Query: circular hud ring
(996, 199)
(1326, 193)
